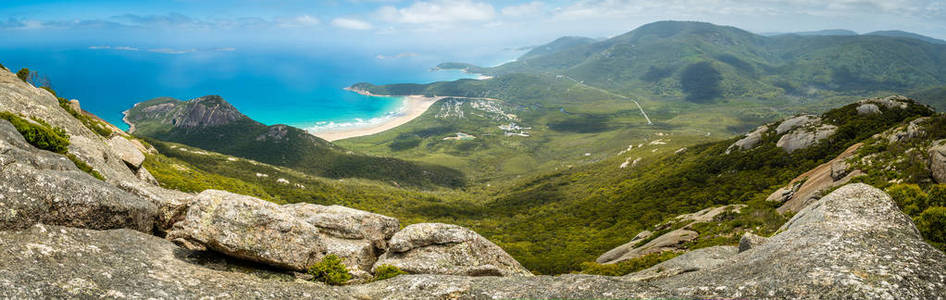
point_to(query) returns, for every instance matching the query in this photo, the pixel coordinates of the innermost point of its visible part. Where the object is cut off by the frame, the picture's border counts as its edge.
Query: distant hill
(563, 43)
(211, 123)
(910, 35)
(702, 62)
(842, 32)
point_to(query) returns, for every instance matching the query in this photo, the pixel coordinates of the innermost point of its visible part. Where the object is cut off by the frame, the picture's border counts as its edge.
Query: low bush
(627, 266)
(387, 272)
(932, 224)
(23, 74)
(39, 135)
(330, 270)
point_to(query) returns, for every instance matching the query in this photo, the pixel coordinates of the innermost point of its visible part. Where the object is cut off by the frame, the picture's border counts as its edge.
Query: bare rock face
(699, 259)
(854, 243)
(127, 151)
(890, 102)
(868, 109)
(248, 228)
(796, 122)
(670, 241)
(347, 223)
(938, 160)
(434, 248)
(802, 138)
(807, 187)
(570, 286)
(750, 141)
(52, 262)
(38, 186)
(912, 130)
(358, 237)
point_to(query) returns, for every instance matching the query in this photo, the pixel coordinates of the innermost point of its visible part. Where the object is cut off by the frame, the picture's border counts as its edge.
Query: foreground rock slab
(434, 248)
(515, 287)
(51, 262)
(853, 244)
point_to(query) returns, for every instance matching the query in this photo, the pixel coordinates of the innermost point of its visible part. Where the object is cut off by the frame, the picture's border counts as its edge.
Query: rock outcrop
(938, 160)
(751, 140)
(248, 228)
(805, 137)
(670, 241)
(700, 259)
(854, 243)
(52, 262)
(809, 186)
(514, 287)
(38, 186)
(127, 151)
(434, 248)
(796, 122)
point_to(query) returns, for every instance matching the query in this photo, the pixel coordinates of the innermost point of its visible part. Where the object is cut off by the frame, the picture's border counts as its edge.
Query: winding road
(612, 94)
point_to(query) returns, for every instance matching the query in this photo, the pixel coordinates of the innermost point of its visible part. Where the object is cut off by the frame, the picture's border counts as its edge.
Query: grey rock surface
(669, 241)
(514, 287)
(911, 131)
(751, 140)
(802, 138)
(248, 228)
(347, 223)
(127, 151)
(52, 262)
(796, 122)
(38, 186)
(434, 248)
(868, 109)
(938, 160)
(852, 244)
(699, 259)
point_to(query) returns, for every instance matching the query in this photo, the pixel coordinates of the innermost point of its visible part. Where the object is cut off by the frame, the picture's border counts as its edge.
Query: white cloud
(526, 9)
(439, 11)
(353, 24)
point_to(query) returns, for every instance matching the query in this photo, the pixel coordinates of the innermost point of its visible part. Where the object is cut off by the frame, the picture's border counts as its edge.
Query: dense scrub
(43, 136)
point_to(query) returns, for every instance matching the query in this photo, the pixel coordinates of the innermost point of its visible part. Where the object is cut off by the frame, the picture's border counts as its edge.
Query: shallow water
(273, 87)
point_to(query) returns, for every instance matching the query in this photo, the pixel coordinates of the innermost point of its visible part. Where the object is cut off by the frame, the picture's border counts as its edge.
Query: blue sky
(399, 28)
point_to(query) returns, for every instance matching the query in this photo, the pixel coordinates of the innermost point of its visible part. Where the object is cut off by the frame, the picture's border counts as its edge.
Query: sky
(392, 29)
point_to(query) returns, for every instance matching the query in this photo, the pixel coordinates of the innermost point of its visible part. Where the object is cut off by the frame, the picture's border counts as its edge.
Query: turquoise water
(274, 87)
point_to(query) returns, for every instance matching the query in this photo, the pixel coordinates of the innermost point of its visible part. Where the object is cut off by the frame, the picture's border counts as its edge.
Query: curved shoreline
(414, 106)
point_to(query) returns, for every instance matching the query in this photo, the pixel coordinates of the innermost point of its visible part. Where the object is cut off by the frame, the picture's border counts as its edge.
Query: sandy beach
(415, 106)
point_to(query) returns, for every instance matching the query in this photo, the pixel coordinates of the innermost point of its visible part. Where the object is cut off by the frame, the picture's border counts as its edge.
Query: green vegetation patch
(43, 136)
(383, 272)
(627, 266)
(330, 270)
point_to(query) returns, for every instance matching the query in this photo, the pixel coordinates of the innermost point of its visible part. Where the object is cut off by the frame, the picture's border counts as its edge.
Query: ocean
(294, 87)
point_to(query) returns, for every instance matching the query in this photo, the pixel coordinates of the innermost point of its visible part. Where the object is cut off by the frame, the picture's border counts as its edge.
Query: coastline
(414, 106)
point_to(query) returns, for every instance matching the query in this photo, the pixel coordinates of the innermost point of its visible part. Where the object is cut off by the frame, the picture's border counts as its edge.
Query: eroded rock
(248, 228)
(803, 138)
(853, 243)
(38, 186)
(434, 248)
(796, 122)
(938, 160)
(700, 259)
(749, 241)
(127, 151)
(750, 141)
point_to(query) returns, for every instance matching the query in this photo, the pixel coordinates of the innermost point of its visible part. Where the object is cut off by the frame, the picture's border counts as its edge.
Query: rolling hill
(211, 123)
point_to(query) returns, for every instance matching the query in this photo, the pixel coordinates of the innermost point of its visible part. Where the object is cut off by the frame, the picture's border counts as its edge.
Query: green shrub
(2, 67)
(387, 272)
(627, 266)
(41, 136)
(932, 224)
(936, 196)
(23, 74)
(85, 167)
(50, 90)
(330, 270)
(90, 123)
(909, 197)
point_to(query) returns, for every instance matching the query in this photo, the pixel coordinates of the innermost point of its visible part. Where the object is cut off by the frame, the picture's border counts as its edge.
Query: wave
(356, 123)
